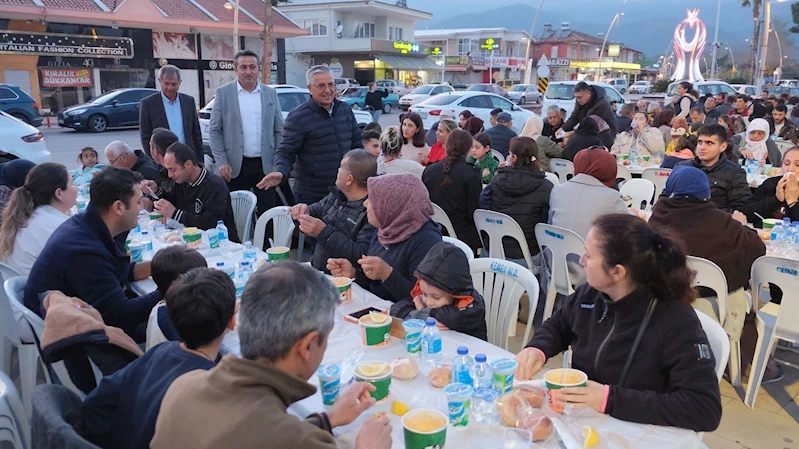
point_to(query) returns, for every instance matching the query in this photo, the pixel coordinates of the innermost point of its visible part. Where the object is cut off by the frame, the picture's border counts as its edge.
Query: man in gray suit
(245, 129)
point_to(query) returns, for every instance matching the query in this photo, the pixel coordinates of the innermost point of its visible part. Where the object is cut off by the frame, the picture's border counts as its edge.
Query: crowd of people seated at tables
(375, 226)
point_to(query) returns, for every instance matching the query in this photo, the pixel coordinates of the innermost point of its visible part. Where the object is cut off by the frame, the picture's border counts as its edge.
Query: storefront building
(575, 55)
(69, 55)
(475, 55)
(366, 41)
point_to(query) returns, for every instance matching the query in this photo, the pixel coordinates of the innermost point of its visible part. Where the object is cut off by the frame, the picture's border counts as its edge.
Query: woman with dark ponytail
(35, 210)
(455, 185)
(633, 332)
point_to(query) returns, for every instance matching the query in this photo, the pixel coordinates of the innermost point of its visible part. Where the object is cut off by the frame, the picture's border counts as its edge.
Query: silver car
(522, 93)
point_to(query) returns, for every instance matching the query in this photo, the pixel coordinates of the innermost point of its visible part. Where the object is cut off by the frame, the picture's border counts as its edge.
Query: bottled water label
(462, 375)
(431, 346)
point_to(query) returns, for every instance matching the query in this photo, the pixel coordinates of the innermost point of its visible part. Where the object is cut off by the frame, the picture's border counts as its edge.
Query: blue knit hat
(688, 182)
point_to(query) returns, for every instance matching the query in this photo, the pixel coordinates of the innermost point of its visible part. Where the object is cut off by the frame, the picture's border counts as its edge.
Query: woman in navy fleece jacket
(399, 207)
(631, 270)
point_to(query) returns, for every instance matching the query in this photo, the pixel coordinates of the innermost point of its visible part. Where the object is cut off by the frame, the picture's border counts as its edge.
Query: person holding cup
(639, 290)
(287, 314)
(778, 196)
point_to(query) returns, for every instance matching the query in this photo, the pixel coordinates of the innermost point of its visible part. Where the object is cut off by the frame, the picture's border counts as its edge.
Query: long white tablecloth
(345, 349)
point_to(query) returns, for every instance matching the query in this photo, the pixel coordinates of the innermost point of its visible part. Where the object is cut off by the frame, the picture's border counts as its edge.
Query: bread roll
(405, 368)
(536, 396)
(537, 423)
(440, 376)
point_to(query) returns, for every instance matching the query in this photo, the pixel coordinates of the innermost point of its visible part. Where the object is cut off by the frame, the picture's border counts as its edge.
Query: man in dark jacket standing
(501, 133)
(83, 257)
(374, 98)
(728, 186)
(316, 135)
(590, 100)
(338, 222)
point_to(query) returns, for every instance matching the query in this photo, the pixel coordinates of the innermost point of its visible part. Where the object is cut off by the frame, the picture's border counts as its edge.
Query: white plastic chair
(283, 227)
(463, 246)
(709, 275)
(209, 164)
(658, 176)
(564, 168)
(623, 172)
(641, 192)
(441, 217)
(27, 352)
(7, 324)
(14, 289)
(774, 321)
(243, 204)
(14, 427)
(498, 156)
(502, 284)
(497, 226)
(561, 242)
(719, 343)
(553, 178)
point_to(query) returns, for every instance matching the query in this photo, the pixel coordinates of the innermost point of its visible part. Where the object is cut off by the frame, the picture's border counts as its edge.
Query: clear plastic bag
(575, 418)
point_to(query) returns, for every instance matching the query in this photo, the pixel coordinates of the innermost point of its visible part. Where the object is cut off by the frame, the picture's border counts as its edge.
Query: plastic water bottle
(245, 268)
(144, 220)
(777, 238)
(793, 238)
(431, 343)
(249, 253)
(224, 238)
(241, 278)
(228, 269)
(461, 366)
(148, 244)
(481, 372)
(484, 406)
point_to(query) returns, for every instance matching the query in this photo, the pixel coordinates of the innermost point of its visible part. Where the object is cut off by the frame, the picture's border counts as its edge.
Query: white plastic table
(637, 169)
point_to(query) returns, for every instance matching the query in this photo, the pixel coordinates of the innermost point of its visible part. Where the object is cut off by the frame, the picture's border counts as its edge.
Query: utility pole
(266, 60)
(761, 57)
(716, 43)
(528, 76)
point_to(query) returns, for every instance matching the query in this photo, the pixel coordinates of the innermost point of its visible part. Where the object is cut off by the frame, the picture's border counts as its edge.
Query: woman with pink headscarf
(400, 208)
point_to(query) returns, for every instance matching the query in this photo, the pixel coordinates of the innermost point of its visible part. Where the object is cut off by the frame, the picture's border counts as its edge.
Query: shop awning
(409, 63)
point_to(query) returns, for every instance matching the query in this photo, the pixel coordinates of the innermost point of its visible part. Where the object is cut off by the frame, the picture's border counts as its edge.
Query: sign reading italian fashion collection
(68, 45)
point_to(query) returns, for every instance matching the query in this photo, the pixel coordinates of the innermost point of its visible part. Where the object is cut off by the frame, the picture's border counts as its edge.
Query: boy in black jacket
(444, 291)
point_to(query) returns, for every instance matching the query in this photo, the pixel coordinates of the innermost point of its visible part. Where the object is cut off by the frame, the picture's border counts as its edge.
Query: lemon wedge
(590, 437)
(378, 317)
(399, 408)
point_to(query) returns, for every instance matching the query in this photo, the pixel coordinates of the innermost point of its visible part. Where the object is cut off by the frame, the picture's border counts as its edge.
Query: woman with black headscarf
(12, 175)
(586, 135)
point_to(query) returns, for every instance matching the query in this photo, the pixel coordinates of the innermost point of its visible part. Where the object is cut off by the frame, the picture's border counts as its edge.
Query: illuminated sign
(614, 50)
(406, 47)
(490, 43)
(603, 64)
(688, 53)
(456, 60)
(65, 45)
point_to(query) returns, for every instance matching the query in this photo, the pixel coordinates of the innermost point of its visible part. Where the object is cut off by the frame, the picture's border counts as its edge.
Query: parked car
(19, 140)
(460, 87)
(711, 87)
(641, 87)
(289, 99)
(788, 82)
(507, 84)
(561, 93)
(345, 83)
(356, 97)
(490, 88)
(16, 102)
(522, 93)
(422, 93)
(115, 109)
(787, 89)
(746, 89)
(393, 86)
(478, 103)
(620, 84)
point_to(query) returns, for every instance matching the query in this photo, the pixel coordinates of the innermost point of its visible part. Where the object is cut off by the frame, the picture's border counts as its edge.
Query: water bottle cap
(219, 222)
(463, 350)
(245, 263)
(481, 358)
(430, 322)
(220, 264)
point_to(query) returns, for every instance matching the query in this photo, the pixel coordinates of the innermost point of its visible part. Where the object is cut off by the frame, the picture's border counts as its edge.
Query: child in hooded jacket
(444, 291)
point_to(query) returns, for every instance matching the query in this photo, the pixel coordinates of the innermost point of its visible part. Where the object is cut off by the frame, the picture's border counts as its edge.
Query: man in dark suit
(172, 110)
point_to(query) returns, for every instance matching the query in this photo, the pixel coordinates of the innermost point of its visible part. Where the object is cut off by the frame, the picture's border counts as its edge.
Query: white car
(422, 93)
(620, 84)
(522, 93)
(393, 86)
(641, 87)
(478, 103)
(561, 94)
(19, 140)
(289, 99)
(746, 89)
(711, 87)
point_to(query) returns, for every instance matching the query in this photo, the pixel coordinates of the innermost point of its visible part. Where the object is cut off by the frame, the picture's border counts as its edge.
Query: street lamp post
(529, 76)
(605, 41)
(716, 43)
(235, 9)
(732, 57)
(779, 46)
(761, 60)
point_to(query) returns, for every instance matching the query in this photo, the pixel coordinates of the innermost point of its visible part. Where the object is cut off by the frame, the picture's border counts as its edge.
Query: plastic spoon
(566, 364)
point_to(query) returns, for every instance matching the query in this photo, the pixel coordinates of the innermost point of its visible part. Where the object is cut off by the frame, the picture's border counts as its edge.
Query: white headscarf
(532, 127)
(758, 148)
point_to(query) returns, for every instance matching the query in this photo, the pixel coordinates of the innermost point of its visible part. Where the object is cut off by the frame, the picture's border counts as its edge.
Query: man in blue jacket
(85, 256)
(316, 135)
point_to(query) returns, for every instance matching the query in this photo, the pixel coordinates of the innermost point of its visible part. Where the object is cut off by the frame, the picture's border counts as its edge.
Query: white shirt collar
(241, 89)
